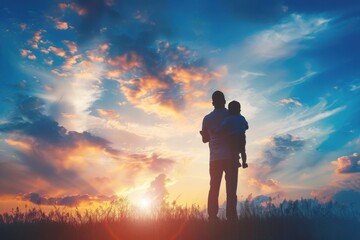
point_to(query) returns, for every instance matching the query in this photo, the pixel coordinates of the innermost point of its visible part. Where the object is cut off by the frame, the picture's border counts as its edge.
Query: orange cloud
(98, 54)
(191, 75)
(70, 61)
(57, 51)
(104, 47)
(60, 74)
(73, 6)
(153, 162)
(37, 36)
(49, 62)
(268, 185)
(45, 51)
(126, 61)
(347, 164)
(72, 46)
(114, 74)
(32, 57)
(35, 46)
(105, 113)
(22, 144)
(96, 58)
(149, 94)
(61, 25)
(24, 52)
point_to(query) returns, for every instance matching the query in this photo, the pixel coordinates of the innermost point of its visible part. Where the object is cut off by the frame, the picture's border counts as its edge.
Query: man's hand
(205, 136)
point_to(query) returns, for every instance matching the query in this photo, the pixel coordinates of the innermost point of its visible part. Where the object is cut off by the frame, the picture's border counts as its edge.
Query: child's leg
(244, 157)
(242, 151)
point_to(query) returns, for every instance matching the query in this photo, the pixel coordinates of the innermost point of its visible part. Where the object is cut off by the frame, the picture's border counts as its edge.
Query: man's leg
(216, 170)
(231, 177)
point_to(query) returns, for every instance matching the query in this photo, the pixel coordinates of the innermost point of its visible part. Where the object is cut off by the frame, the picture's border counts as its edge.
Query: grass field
(304, 219)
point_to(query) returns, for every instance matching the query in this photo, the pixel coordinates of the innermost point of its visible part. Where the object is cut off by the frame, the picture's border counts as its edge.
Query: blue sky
(111, 95)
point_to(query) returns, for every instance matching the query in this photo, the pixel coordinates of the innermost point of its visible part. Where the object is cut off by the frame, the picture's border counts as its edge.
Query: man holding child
(224, 130)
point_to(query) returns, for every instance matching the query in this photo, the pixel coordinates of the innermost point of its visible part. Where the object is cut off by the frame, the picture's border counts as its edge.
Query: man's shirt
(219, 148)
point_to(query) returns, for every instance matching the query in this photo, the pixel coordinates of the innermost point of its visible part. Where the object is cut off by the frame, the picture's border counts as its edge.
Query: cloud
(70, 201)
(72, 46)
(106, 113)
(32, 57)
(280, 148)
(283, 40)
(327, 193)
(49, 150)
(25, 52)
(277, 150)
(57, 51)
(305, 117)
(265, 185)
(49, 159)
(154, 75)
(153, 162)
(348, 164)
(73, 6)
(151, 95)
(61, 25)
(346, 179)
(158, 191)
(287, 101)
(16, 178)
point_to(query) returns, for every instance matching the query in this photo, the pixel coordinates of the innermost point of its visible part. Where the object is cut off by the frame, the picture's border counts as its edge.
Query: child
(234, 127)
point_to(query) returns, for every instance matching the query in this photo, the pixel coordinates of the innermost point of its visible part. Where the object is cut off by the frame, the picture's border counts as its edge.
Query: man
(221, 160)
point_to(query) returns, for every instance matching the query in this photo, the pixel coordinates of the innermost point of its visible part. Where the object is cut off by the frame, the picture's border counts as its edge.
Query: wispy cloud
(279, 41)
(286, 101)
(284, 39)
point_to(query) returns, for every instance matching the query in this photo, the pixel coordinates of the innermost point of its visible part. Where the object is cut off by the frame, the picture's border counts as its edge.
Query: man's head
(234, 108)
(218, 99)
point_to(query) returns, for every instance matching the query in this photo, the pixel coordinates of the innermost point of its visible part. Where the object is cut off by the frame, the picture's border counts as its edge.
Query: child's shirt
(233, 125)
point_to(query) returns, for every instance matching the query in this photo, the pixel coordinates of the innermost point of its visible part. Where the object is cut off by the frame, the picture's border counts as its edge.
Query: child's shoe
(244, 165)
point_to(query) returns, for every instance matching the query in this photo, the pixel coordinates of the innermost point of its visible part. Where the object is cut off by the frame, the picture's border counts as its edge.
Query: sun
(145, 204)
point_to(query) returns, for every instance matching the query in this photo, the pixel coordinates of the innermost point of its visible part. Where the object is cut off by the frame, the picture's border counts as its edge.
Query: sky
(102, 99)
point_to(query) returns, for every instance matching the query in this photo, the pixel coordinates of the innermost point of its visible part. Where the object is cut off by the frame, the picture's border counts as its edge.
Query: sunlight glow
(145, 204)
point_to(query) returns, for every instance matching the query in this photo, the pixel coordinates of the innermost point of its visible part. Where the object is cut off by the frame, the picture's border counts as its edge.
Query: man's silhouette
(221, 160)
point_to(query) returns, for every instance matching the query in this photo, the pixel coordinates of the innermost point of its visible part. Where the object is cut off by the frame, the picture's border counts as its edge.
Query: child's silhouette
(233, 128)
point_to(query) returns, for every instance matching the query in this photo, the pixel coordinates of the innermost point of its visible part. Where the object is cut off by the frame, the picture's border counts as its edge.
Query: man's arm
(246, 124)
(205, 136)
(204, 133)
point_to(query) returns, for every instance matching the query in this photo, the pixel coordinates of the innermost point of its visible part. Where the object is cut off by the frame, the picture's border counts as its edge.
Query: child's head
(234, 108)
